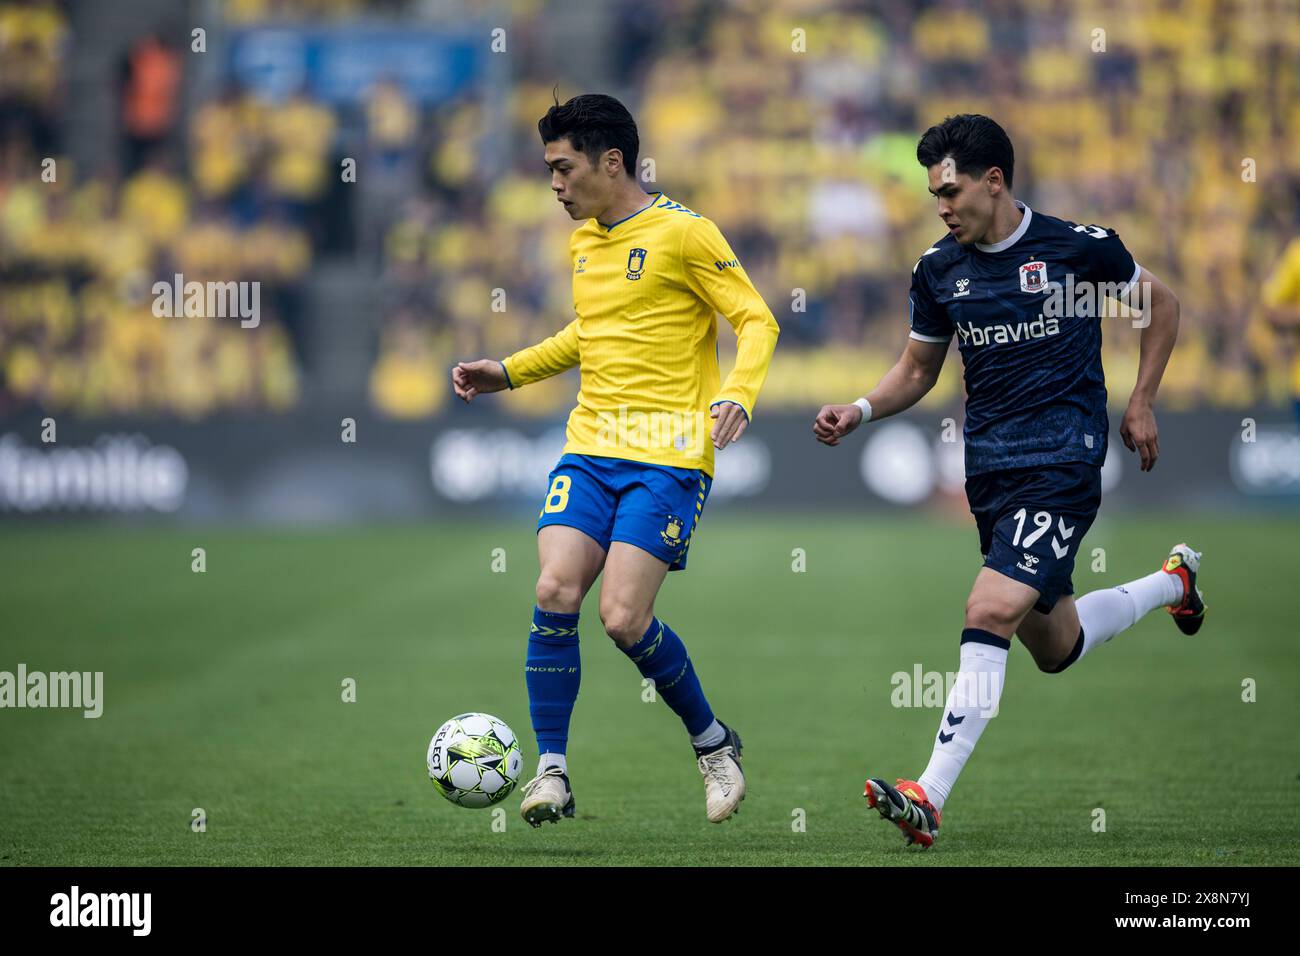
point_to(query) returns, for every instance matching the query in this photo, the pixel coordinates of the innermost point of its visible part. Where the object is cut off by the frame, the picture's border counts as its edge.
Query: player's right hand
(833, 422)
(471, 378)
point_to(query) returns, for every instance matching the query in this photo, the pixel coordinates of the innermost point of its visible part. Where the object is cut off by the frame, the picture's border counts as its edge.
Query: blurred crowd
(1177, 123)
(225, 193)
(793, 125)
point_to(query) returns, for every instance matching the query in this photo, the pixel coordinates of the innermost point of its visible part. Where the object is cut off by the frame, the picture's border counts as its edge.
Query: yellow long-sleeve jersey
(1283, 288)
(646, 291)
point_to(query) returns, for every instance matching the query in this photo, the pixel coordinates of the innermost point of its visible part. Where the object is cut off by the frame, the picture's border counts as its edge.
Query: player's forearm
(1157, 344)
(549, 357)
(756, 339)
(901, 387)
(1283, 316)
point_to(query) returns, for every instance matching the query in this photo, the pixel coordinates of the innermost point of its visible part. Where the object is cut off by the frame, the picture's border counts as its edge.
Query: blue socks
(553, 673)
(661, 656)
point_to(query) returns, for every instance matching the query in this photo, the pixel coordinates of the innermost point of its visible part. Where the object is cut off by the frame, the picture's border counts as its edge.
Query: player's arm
(715, 275)
(548, 357)
(912, 376)
(1281, 295)
(1138, 429)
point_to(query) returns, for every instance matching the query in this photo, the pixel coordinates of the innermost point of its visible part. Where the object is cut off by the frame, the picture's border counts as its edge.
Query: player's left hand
(729, 423)
(1140, 434)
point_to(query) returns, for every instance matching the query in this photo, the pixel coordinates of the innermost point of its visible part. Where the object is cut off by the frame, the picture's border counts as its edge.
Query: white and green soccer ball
(474, 760)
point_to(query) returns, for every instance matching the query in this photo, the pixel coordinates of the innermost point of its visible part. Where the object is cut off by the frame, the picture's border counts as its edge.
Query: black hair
(593, 123)
(976, 144)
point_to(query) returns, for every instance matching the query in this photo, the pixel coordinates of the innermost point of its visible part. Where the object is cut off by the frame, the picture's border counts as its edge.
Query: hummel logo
(963, 288)
(954, 721)
(1030, 559)
(945, 738)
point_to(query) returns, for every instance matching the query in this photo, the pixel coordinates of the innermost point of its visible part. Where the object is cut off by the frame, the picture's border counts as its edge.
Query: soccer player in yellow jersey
(1282, 309)
(649, 278)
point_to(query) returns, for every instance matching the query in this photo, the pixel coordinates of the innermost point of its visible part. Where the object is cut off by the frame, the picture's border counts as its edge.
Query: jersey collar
(657, 196)
(1012, 239)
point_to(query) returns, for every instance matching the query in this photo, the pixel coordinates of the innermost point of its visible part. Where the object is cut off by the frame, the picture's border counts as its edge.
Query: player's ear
(995, 181)
(611, 161)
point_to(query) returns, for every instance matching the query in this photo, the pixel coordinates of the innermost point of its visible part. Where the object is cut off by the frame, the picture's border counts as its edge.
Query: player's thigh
(573, 529)
(1032, 522)
(1051, 637)
(632, 580)
(570, 562)
(998, 603)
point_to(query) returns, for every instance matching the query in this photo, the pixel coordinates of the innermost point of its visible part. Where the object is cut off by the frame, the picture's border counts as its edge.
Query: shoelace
(718, 764)
(533, 784)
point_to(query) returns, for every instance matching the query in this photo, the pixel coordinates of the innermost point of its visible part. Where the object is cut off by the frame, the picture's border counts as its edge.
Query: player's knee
(1059, 656)
(989, 614)
(558, 596)
(1048, 663)
(624, 624)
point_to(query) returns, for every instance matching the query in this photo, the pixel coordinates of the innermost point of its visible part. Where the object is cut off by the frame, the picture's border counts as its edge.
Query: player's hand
(833, 422)
(1139, 432)
(471, 378)
(729, 423)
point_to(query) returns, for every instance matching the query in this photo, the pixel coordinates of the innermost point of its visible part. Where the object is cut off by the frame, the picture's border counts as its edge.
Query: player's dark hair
(593, 123)
(976, 144)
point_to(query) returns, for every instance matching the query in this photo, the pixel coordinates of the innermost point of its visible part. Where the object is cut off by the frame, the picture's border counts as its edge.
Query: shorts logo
(1029, 563)
(672, 533)
(1033, 277)
(635, 263)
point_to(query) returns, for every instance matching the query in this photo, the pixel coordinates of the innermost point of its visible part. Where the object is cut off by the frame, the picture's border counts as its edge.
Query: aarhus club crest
(635, 263)
(1033, 277)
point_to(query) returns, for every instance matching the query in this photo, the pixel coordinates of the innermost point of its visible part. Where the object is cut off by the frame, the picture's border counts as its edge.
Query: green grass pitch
(223, 692)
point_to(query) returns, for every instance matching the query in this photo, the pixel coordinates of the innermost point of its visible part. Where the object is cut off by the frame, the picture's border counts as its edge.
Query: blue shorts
(653, 507)
(1032, 520)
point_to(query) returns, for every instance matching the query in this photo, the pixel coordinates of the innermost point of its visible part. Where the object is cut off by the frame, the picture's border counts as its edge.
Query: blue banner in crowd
(340, 65)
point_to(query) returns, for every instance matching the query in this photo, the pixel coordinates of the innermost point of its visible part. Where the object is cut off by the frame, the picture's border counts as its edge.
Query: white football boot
(547, 797)
(724, 781)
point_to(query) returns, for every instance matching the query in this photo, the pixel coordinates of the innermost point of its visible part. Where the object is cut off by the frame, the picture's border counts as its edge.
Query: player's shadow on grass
(567, 852)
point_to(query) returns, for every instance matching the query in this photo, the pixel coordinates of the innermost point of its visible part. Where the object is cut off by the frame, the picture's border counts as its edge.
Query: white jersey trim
(1012, 239)
(1128, 286)
(928, 338)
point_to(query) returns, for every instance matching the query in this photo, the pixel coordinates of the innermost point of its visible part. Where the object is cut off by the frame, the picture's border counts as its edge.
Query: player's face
(580, 187)
(964, 204)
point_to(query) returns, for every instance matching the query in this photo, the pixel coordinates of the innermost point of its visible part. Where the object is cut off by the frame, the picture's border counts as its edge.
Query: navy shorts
(653, 507)
(1032, 521)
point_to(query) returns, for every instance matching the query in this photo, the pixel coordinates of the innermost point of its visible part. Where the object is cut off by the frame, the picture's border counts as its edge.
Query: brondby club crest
(635, 263)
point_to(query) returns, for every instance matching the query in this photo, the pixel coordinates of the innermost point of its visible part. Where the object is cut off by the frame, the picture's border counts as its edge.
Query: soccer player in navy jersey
(1024, 293)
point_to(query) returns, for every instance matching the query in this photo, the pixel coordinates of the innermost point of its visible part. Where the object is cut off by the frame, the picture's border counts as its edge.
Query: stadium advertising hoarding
(303, 469)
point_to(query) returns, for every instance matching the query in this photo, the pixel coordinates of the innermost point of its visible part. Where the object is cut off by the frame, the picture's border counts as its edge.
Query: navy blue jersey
(1035, 391)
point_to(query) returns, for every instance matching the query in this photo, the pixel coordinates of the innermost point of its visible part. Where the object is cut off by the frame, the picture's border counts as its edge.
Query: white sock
(1103, 614)
(711, 736)
(552, 760)
(972, 703)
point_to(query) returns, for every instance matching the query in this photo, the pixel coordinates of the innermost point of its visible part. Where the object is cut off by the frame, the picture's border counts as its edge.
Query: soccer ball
(474, 760)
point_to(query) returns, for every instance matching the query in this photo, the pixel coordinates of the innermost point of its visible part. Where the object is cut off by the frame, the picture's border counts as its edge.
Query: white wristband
(865, 405)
